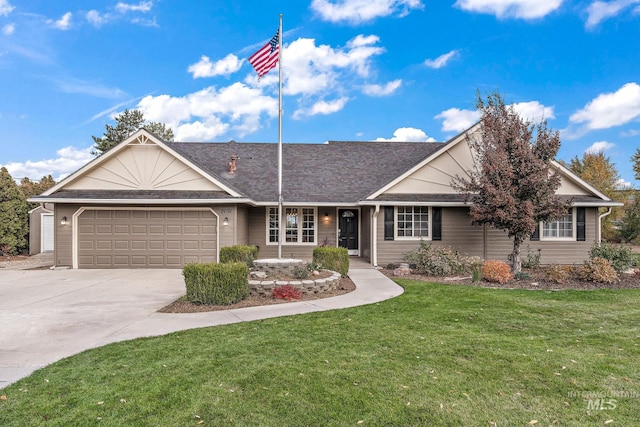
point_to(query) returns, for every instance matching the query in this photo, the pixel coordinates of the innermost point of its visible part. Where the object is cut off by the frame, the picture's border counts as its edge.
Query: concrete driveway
(46, 315)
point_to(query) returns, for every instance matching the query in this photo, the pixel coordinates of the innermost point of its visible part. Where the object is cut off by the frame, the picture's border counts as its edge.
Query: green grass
(437, 355)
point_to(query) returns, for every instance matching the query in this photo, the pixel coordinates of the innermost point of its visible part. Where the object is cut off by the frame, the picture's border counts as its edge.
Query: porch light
(326, 217)
(225, 221)
(63, 221)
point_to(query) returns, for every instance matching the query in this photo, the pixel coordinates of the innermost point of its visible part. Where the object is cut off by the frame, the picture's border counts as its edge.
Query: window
(300, 225)
(560, 229)
(412, 221)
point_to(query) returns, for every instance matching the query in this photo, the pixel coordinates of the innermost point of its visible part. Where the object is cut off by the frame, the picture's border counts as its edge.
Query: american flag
(267, 57)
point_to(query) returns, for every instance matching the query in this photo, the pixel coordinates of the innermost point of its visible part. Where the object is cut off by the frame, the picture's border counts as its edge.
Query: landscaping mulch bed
(181, 305)
(539, 280)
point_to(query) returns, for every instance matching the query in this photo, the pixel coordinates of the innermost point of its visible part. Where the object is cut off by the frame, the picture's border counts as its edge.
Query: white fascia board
(147, 201)
(579, 181)
(319, 204)
(399, 203)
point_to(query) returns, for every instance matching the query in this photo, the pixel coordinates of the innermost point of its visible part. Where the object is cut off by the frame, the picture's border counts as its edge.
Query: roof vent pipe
(232, 164)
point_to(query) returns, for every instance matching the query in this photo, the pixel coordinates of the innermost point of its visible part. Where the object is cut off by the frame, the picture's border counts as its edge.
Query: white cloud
(224, 67)
(600, 146)
(143, 6)
(441, 60)
(456, 120)
(312, 69)
(96, 18)
(359, 11)
(610, 109)
(9, 29)
(408, 134)
(5, 8)
(200, 115)
(599, 11)
(534, 111)
(382, 90)
(322, 107)
(63, 23)
(68, 160)
(524, 9)
(621, 184)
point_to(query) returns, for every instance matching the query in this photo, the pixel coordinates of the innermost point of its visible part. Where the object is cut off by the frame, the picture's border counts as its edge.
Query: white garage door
(145, 238)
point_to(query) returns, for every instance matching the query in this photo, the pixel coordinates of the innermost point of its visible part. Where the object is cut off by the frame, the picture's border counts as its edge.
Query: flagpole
(280, 202)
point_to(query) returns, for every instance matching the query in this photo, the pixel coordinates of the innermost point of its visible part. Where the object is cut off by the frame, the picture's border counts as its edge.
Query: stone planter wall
(286, 267)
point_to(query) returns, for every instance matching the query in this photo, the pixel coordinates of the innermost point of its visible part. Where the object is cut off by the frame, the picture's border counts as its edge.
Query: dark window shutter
(581, 226)
(436, 225)
(536, 233)
(388, 222)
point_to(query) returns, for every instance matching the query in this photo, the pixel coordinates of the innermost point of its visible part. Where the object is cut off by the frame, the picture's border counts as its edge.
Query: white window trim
(299, 242)
(395, 224)
(574, 231)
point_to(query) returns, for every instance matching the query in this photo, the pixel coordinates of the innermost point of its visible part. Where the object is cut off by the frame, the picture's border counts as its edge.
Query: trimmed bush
(440, 260)
(598, 270)
(496, 271)
(619, 256)
(335, 259)
(239, 253)
(220, 284)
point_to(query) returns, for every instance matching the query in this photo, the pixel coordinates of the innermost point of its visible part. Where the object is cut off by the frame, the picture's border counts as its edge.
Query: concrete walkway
(48, 315)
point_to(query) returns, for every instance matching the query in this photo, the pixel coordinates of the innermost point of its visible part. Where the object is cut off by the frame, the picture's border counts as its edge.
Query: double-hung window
(412, 222)
(300, 225)
(562, 229)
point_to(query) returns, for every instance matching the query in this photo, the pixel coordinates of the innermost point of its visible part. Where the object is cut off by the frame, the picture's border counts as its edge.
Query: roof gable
(141, 162)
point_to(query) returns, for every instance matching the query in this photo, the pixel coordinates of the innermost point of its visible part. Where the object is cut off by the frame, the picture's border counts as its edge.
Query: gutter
(600, 224)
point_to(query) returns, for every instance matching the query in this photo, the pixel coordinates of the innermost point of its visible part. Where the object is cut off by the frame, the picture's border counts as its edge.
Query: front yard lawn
(437, 355)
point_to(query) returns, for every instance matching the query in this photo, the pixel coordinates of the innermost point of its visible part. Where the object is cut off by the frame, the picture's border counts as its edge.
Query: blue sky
(353, 70)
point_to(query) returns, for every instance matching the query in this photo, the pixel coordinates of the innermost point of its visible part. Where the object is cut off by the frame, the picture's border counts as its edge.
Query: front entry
(348, 230)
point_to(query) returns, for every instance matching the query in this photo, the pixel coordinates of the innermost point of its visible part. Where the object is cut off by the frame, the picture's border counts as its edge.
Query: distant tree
(512, 186)
(13, 216)
(598, 170)
(31, 188)
(630, 223)
(636, 163)
(127, 123)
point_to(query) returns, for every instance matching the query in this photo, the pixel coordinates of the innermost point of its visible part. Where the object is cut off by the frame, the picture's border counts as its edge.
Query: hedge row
(220, 284)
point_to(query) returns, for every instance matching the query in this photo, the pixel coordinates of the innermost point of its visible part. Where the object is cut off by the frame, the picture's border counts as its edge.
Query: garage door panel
(145, 238)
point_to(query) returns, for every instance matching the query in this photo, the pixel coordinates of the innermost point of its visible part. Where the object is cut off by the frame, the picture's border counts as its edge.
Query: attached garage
(145, 238)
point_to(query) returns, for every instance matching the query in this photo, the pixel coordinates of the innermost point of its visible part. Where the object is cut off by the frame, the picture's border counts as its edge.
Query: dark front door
(348, 230)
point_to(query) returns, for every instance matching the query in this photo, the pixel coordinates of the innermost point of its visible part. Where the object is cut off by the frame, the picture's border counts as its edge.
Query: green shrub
(220, 284)
(300, 272)
(496, 271)
(239, 253)
(532, 260)
(335, 259)
(522, 275)
(619, 256)
(598, 270)
(440, 260)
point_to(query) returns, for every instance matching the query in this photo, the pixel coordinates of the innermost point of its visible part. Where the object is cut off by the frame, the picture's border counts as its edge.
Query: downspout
(600, 224)
(374, 237)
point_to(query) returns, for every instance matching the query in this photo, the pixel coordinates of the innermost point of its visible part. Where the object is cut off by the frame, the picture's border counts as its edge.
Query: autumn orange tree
(513, 186)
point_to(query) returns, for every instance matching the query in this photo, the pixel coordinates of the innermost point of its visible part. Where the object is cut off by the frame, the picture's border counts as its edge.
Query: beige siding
(64, 235)
(457, 231)
(242, 227)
